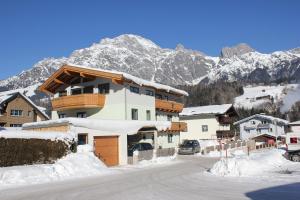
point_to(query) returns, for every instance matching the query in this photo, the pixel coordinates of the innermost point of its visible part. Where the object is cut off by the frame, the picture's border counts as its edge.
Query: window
(293, 140)
(103, 88)
(81, 114)
(134, 89)
(264, 122)
(62, 115)
(29, 113)
(169, 117)
(15, 125)
(148, 115)
(270, 130)
(253, 122)
(88, 90)
(76, 91)
(166, 97)
(62, 93)
(134, 114)
(82, 138)
(204, 128)
(1, 112)
(158, 96)
(16, 112)
(170, 138)
(149, 93)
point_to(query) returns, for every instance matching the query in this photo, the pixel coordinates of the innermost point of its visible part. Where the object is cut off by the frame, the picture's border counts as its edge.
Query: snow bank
(72, 166)
(257, 164)
(10, 133)
(157, 161)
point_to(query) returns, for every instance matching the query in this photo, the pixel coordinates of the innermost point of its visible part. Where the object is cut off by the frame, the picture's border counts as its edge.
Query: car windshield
(187, 143)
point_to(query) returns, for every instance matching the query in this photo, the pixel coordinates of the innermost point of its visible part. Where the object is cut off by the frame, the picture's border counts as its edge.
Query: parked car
(139, 147)
(189, 147)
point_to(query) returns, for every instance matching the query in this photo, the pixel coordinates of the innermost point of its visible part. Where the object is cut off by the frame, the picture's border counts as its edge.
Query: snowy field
(285, 94)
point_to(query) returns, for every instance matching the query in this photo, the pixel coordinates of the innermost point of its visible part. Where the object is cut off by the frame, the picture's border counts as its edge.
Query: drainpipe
(125, 102)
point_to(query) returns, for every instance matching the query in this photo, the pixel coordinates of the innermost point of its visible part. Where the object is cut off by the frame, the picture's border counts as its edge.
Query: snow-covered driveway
(180, 180)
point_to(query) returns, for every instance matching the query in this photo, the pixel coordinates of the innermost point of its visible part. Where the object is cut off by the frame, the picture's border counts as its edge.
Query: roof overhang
(67, 73)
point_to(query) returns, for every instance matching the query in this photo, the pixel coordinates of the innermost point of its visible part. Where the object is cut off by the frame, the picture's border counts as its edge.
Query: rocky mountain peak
(240, 49)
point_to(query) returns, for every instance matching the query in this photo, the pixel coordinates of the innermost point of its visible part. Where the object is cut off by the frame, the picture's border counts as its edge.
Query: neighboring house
(208, 122)
(95, 94)
(17, 109)
(261, 124)
(294, 126)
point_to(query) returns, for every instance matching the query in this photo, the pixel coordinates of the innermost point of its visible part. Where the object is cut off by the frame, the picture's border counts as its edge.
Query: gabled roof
(66, 73)
(7, 97)
(211, 109)
(267, 117)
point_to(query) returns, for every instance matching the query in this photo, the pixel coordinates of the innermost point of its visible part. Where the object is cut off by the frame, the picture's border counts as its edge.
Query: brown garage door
(106, 148)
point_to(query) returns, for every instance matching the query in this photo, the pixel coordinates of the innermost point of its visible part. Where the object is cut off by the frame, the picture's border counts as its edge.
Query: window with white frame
(204, 128)
(16, 112)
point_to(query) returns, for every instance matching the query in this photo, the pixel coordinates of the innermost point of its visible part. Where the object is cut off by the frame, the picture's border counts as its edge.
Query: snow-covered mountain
(143, 58)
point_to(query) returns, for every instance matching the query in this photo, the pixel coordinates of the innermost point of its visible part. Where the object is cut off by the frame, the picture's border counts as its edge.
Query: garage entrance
(107, 149)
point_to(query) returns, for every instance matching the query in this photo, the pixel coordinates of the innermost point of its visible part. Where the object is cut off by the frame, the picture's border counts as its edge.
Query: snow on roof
(109, 126)
(295, 123)
(211, 109)
(9, 133)
(273, 119)
(137, 80)
(6, 96)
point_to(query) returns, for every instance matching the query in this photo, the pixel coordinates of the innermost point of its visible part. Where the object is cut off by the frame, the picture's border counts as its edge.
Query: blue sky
(32, 30)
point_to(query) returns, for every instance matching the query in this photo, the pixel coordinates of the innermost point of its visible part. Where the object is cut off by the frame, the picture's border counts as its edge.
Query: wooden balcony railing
(78, 101)
(225, 120)
(168, 106)
(179, 126)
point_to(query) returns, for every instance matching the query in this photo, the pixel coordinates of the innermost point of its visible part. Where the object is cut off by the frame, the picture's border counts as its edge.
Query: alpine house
(119, 110)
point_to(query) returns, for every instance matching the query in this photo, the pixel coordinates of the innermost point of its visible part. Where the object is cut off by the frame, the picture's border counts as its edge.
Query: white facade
(261, 124)
(197, 130)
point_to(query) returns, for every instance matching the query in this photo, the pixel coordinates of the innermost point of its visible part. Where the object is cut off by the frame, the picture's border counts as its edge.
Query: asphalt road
(183, 179)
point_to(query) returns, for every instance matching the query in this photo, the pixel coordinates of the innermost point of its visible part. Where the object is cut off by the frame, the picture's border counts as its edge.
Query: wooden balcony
(78, 101)
(179, 126)
(225, 120)
(168, 106)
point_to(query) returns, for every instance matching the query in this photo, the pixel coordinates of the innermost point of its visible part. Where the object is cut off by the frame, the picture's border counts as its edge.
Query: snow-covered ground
(264, 163)
(285, 94)
(74, 165)
(182, 180)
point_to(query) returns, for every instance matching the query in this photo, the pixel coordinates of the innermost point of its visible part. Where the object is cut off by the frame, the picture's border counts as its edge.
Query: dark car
(139, 147)
(189, 147)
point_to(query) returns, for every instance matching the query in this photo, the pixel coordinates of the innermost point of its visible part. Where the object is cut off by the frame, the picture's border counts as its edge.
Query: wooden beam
(58, 81)
(68, 73)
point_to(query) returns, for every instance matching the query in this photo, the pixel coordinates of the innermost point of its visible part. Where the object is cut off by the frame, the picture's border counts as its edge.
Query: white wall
(194, 126)
(162, 139)
(244, 135)
(295, 128)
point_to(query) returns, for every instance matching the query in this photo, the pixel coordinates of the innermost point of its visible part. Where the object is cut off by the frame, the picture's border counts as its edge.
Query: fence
(149, 154)
(247, 146)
